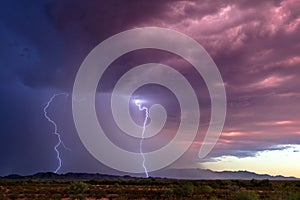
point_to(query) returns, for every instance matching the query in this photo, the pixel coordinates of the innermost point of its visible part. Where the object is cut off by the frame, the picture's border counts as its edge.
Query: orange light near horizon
(284, 122)
(232, 134)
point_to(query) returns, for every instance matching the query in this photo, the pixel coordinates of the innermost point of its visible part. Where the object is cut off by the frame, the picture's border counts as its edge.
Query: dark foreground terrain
(148, 189)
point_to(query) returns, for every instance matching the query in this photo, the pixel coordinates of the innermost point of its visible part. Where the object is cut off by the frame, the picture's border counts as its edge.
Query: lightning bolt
(60, 142)
(143, 108)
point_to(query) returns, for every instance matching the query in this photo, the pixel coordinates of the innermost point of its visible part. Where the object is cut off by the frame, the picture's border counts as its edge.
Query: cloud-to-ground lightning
(60, 142)
(143, 108)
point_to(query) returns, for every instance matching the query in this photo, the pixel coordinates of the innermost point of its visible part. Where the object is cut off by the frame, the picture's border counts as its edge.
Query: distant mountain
(194, 174)
(67, 176)
(207, 174)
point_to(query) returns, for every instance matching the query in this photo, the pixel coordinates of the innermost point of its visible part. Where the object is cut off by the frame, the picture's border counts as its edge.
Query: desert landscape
(126, 187)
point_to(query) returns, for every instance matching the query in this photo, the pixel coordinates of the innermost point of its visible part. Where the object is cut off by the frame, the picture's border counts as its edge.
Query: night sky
(255, 44)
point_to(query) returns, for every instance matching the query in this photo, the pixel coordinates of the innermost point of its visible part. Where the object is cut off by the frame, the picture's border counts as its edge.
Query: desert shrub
(78, 189)
(223, 183)
(167, 194)
(287, 191)
(239, 183)
(234, 188)
(261, 183)
(295, 196)
(254, 182)
(246, 195)
(184, 190)
(264, 183)
(292, 195)
(205, 189)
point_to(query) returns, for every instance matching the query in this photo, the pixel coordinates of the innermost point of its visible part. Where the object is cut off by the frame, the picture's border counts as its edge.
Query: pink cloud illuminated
(272, 81)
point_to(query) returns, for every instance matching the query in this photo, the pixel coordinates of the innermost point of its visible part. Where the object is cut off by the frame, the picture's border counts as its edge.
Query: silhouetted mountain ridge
(207, 174)
(192, 174)
(67, 176)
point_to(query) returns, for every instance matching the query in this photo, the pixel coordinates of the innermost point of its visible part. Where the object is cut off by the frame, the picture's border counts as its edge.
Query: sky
(255, 45)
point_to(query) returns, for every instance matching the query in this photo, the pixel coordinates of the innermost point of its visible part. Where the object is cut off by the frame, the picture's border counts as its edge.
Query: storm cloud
(255, 45)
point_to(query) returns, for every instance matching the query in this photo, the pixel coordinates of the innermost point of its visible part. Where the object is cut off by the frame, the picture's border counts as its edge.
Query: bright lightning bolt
(60, 142)
(143, 108)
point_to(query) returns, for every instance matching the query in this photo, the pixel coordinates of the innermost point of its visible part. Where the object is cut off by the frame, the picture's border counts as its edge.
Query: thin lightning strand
(143, 132)
(60, 142)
